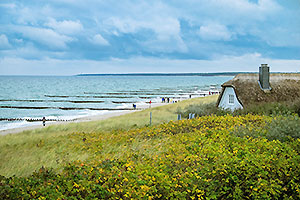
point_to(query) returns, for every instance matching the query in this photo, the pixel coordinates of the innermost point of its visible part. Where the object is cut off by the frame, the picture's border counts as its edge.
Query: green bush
(202, 110)
(283, 128)
(255, 109)
(295, 107)
(266, 109)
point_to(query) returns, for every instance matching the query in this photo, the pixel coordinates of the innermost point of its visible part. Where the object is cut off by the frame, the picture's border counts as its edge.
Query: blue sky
(66, 37)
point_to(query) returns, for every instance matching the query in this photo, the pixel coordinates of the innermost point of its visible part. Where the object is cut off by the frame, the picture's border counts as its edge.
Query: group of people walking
(166, 100)
(163, 100)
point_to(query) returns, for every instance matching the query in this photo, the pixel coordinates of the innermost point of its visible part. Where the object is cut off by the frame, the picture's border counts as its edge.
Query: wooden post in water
(44, 121)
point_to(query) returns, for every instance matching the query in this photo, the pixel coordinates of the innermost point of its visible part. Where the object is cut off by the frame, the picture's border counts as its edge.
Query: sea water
(34, 97)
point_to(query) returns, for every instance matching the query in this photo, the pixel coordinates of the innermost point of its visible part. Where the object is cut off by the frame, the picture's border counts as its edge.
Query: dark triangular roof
(285, 87)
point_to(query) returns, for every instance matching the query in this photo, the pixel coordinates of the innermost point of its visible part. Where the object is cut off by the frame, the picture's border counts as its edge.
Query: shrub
(202, 110)
(266, 109)
(295, 107)
(283, 128)
(255, 109)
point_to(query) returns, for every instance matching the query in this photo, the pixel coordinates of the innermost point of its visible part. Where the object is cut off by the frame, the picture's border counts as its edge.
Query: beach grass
(54, 146)
(209, 157)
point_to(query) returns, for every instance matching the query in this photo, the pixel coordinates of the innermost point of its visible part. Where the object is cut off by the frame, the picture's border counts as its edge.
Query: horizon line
(151, 74)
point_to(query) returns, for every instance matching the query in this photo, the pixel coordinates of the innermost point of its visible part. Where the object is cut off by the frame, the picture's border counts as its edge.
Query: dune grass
(200, 158)
(53, 146)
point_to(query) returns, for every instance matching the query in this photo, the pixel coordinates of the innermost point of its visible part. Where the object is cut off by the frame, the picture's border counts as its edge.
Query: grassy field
(54, 146)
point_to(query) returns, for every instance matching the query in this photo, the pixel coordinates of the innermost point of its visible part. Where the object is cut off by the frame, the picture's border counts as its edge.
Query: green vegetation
(23, 153)
(283, 128)
(210, 157)
(270, 108)
(187, 159)
(202, 109)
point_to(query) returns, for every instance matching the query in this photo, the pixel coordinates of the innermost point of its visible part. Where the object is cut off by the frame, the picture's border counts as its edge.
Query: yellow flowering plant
(202, 158)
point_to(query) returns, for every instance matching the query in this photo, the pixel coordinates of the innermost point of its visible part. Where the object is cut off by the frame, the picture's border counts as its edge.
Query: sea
(24, 100)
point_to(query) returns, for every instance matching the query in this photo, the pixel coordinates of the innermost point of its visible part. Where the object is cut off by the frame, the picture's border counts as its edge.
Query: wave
(41, 100)
(61, 108)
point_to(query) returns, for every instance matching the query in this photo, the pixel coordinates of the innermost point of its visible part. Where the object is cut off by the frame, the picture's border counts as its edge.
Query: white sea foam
(17, 124)
(6, 125)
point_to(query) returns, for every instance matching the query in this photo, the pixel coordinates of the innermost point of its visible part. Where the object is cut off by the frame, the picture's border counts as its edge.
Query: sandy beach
(104, 116)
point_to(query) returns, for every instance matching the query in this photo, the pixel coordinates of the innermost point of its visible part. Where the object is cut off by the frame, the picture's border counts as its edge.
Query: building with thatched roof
(252, 88)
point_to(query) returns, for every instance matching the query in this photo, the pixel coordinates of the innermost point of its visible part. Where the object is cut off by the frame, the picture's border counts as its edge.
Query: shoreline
(98, 117)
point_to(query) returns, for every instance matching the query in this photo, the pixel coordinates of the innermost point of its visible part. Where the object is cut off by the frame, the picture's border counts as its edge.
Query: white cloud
(122, 25)
(67, 27)
(215, 31)
(48, 66)
(166, 37)
(281, 36)
(158, 28)
(163, 27)
(242, 9)
(4, 43)
(8, 5)
(29, 51)
(19, 40)
(166, 45)
(44, 36)
(27, 16)
(99, 40)
(37, 15)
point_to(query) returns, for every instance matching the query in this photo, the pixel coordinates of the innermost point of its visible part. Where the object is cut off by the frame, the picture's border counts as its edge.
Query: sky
(68, 37)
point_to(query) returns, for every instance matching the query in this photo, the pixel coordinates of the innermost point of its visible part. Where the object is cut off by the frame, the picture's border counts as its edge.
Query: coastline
(98, 117)
(62, 103)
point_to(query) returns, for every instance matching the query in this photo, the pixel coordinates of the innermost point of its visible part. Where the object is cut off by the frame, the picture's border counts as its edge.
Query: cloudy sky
(66, 37)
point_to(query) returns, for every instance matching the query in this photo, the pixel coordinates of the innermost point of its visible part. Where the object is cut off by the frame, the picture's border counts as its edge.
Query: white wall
(224, 102)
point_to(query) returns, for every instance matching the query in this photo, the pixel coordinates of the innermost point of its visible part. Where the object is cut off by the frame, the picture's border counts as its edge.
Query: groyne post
(44, 121)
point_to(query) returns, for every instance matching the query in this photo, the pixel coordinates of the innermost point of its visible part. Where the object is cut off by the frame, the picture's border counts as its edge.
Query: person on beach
(134, 106)
(150, 103)
(44, 121)
(163, 100)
